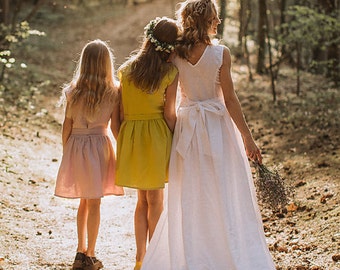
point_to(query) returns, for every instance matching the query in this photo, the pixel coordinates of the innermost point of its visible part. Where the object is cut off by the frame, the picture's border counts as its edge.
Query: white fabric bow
(193, 115)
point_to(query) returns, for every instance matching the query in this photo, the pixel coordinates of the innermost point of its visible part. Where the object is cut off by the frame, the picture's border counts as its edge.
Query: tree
(331, 53)
(220, 27)
(242, 17)
(245, 17)
(307, 30)
(261, 37)
(268, 37)
(283, 4)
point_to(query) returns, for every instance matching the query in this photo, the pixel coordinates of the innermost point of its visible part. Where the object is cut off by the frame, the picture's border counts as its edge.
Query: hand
(252, 151)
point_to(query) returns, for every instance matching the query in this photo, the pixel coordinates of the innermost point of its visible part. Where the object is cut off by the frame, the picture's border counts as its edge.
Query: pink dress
(211, 220)
(87, 168)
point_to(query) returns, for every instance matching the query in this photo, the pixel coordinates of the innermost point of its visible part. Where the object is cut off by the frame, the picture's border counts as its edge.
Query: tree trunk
(34, 10)
(5, 12)
(16, 11)
(261, 40)
(282, 21)
(220, 27)
(333, 51)
(242, 20)
(272, 76)
(245, 44)
(298, 65)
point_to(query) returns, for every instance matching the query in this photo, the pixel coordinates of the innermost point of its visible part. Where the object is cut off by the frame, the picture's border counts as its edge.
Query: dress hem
(141, 188)
(88, 198)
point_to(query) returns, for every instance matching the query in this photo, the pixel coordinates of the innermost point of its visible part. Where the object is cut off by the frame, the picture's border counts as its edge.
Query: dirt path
(38, 230)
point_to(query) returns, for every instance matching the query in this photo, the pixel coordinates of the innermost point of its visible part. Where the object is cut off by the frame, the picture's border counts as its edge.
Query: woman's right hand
(252, 151)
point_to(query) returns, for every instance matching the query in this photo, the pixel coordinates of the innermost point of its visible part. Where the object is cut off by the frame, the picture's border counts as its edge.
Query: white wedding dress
(211, 219)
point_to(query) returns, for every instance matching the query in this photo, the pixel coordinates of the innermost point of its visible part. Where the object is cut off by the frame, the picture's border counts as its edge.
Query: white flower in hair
(159, 45)
(201, 6)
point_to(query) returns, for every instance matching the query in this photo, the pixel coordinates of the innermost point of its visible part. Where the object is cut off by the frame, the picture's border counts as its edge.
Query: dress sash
(194, 115)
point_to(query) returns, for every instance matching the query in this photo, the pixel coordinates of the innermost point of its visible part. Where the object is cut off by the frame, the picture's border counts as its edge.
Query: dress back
(200, 81)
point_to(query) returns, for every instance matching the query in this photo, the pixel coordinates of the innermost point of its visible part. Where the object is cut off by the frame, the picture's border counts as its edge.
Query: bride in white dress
(211, 220)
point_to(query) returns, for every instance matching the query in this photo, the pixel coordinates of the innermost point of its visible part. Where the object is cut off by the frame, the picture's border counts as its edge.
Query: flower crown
(159, 45)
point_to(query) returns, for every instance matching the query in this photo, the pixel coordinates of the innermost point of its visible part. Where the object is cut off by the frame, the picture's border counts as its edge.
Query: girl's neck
(199, 45)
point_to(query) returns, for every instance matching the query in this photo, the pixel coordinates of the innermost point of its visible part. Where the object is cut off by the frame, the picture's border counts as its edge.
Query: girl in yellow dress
(148, 98)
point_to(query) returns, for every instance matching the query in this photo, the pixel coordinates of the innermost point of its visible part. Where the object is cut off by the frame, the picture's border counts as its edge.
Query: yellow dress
(144, 140)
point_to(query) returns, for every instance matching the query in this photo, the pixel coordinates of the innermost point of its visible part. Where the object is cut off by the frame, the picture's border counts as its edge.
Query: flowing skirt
(143, 152)
(87, 168)
(211, 220)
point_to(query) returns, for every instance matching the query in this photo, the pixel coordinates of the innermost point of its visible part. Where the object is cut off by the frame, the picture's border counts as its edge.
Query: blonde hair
(148, 66)
(93, 80)
(195, 18)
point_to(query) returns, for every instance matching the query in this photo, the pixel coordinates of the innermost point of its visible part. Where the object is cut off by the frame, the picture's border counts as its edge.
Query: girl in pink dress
(212, 220)
(87, 169)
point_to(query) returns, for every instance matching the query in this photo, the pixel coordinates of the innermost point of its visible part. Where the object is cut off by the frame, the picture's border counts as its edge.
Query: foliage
(10, 36)
(309, 29)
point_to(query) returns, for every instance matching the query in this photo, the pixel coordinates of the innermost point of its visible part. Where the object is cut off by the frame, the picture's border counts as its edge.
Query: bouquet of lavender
(271, 189)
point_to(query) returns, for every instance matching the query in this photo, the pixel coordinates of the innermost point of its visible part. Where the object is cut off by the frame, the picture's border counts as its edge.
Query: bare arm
(233, 105)
(116, 116)
(170, 104)
(68, 122)
(66, 130)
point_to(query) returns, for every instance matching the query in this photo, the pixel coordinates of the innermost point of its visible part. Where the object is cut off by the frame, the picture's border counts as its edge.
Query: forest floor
(299, 135)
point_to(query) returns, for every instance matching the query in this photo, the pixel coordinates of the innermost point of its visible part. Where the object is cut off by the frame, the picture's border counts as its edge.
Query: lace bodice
(200, 81)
